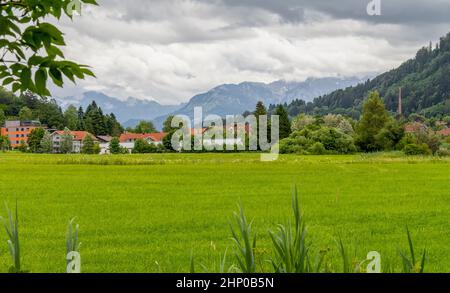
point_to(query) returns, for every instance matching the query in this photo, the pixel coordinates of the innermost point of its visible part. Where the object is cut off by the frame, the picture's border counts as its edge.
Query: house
(227, 141)
(415, 127)
(444, 132)
(104, 138)
(127, 140)
(78, 137)
(18, 131)
(155, 138)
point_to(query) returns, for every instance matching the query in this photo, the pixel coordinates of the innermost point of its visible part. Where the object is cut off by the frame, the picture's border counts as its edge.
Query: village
(18, 133)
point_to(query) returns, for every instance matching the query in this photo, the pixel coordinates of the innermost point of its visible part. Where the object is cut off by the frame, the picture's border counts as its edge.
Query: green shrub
(317, 149)
(318, 140)
(416, 149)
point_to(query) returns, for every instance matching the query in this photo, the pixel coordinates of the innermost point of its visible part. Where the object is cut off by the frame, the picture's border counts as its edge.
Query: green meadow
(148, 213)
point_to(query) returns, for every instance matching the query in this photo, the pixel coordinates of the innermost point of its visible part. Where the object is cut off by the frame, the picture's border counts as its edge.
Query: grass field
(147, 213)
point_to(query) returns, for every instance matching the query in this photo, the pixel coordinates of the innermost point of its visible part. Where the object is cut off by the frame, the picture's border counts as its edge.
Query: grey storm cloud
(393, 11)
(170, 50)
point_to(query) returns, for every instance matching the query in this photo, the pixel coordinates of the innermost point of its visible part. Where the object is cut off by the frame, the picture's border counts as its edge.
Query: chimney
(400, 102)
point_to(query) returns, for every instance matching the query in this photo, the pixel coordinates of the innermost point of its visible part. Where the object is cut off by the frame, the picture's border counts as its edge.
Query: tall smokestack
(400, 101)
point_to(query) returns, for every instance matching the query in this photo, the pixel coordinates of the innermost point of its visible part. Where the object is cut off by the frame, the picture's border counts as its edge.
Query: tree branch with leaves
(30, 47)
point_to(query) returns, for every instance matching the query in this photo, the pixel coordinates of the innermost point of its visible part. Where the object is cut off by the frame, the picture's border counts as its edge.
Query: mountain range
(226, 99)
(129, 112)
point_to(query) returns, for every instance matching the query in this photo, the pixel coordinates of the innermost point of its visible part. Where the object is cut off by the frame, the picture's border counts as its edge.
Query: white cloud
(169, 50)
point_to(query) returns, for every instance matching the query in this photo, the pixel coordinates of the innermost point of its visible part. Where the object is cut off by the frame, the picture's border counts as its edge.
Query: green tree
(167, 125)
(23, 147)
(96, 149)
(260, 110)
(25, 114)
(167, 141)
(114, 146)
(373, 120)
(4, 143)
(113, 127)
(285, 123)
(141, 147)
(50, 114)
(94, 120)
(145, 127)
(71, 117)
(31, 46)
(2, 117)
(302, 121)
(46, 143)
(390, 136)
(35, 138)
(66, 146)
(80, 120)
(88, 145)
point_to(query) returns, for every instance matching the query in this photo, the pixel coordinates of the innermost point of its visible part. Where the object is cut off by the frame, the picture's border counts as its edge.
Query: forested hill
(425, 82)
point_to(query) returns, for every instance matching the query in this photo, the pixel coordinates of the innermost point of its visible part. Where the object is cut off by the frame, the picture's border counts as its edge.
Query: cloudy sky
(170, 50)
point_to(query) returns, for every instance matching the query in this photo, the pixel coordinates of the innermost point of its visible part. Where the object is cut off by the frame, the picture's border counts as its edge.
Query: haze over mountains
(225, 99)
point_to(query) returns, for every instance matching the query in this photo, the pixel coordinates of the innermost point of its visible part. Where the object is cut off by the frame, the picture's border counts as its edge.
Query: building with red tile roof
(77, 136)
(414, 127)
(444, 132)
(151, 137)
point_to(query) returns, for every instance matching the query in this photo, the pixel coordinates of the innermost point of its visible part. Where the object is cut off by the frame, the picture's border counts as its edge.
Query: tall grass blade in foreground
(409, 263)
(72, 243)
(12, 229)
(291, 250)
(245, 245)
(73, 248)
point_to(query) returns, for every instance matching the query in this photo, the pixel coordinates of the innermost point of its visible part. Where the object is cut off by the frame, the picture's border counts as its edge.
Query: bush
(317, 149)
(310, 140)
(96, 149)
(416, 149)
(115, 147)
(443, 152)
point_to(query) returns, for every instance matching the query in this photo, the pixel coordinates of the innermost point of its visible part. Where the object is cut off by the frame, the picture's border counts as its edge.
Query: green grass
(148, 213)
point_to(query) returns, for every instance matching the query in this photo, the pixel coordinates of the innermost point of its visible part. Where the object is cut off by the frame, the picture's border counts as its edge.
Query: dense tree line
(93, 120)
(376, 130)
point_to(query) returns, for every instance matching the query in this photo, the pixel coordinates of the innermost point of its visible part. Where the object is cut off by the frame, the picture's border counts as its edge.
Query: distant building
(444, 132)
(415, 127)
(18, 131)
(127, 140)
(78, 137)
(104, 138)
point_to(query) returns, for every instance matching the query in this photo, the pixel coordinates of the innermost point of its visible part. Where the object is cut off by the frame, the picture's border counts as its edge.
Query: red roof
(444, 132)
(77, 135)
(158, 136)
(413, 127)
(126, 137)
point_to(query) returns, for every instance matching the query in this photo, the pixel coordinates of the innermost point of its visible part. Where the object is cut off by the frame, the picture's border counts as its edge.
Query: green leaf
(68, 73)
(16, 86)
(8, 81)
(41, 80)
(25, 78)
(56, 76)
